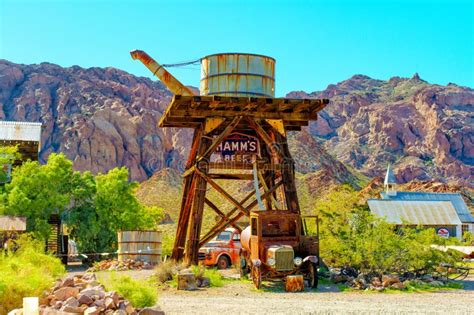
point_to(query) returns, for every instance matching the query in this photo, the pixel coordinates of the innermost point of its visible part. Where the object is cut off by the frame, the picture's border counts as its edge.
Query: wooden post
(188, 194)
(195, 218)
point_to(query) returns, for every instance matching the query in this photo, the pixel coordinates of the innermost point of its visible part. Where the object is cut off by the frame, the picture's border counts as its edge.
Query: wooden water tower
(240, 134)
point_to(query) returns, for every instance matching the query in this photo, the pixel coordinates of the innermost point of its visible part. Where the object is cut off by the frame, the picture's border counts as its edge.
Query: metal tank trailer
(237, 95)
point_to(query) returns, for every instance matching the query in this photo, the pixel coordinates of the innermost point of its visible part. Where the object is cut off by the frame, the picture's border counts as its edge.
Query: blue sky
(315, 43)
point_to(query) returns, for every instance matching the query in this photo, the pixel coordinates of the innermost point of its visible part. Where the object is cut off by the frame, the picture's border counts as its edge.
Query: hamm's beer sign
(237, 147)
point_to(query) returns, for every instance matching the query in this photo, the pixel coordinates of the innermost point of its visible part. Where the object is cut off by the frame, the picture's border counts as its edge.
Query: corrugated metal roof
(19, 130)
(415, 212)
(11, 223)
(456, 199)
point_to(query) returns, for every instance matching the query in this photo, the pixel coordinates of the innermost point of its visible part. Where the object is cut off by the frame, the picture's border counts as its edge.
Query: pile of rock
(379, 283)
(112, 264)
(82, 294)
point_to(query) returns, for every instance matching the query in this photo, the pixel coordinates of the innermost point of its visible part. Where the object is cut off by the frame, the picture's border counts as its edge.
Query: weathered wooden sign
(238, 147)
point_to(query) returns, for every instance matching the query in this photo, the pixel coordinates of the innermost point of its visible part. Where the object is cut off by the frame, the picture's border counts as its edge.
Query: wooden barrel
(140, 246)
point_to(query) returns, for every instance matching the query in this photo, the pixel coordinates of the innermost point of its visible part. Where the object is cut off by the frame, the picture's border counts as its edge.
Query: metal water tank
(235, 74)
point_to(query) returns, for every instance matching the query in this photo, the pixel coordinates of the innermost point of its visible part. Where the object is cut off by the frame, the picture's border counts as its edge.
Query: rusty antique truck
(277, 244)
(222, 251)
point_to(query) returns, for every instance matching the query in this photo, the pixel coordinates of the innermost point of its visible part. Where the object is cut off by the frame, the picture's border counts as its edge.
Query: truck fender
(224, 254)
(313, 259)
(256, 262)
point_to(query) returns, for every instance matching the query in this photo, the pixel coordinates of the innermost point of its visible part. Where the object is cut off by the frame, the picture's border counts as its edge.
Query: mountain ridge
(105, 117)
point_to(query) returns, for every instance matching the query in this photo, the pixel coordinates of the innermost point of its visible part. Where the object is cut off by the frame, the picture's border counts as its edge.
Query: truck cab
(222, 251)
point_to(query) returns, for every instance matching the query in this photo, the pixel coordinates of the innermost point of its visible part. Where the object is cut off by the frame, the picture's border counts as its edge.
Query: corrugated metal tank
(234, 74)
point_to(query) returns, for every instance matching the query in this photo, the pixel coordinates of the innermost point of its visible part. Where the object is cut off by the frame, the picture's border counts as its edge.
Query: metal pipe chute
(161, 73)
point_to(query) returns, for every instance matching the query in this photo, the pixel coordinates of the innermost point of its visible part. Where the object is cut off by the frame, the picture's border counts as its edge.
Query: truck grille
(201, 256)
(284, 259)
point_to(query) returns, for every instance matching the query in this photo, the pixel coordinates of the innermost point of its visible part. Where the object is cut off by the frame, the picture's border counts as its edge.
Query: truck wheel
(223, 262)
(256, 276)
(313, 275)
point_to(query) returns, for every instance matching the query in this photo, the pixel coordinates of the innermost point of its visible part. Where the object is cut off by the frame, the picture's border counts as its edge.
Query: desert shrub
(139, 293)
(26, 272)
(167, 270)
(215, 278)
(167, 244)
(351, 236)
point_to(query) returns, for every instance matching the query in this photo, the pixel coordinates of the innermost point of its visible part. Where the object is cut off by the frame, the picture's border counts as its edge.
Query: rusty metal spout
(161, 73)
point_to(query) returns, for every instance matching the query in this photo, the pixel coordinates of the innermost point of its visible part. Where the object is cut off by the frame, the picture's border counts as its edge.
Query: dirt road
(240, 298)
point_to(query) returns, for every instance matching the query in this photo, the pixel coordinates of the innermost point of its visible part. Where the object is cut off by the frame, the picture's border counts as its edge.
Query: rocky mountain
(104, 117)
(100, 118)
(426, 131)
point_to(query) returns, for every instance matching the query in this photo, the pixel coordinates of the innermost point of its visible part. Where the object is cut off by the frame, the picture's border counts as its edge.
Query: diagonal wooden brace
(221, 225)
(215, 143)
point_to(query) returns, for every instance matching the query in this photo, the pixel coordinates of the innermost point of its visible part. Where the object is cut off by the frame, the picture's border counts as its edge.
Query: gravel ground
(240, 298)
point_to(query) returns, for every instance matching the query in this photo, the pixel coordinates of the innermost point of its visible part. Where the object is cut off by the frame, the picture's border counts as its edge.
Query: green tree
(37, 191)
(8, 155)
(93, 208)
(104, 205)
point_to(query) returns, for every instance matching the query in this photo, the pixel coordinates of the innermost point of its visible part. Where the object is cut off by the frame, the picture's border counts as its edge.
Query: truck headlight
(271, 261)
(298, 261)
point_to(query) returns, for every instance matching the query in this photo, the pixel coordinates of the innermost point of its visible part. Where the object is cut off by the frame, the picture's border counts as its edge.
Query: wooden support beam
(221, 225)
(231, 176)
(219, 212)
(222, 191)
(186, 202)
(196, 213)
(195, 113)
(219, 138)
(288, 176)
(264, 135)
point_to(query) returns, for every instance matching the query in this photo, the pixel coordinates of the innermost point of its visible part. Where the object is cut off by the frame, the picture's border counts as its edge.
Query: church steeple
(390, 182)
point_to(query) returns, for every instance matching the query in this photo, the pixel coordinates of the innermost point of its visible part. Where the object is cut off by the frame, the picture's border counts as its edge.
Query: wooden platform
(192, 111)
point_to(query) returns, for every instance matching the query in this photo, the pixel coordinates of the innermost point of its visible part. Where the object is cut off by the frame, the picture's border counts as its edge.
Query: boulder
(90, 292)
(72, 309)
(89, 277)
(376, 282)
(127, 306)
(398, 286)
(109, 303)
(72, 301)
(68, 282)
(93, 310)
(84, 299)
(63, 294)
(388, 280)
(151, 311)
(120, 312)
(114, 295)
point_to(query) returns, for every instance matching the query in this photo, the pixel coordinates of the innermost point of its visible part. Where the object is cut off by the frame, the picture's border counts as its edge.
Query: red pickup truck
(223, 250)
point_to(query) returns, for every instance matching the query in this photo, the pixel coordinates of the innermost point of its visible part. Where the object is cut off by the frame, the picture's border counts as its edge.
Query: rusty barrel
(236, 74)
(140, 246)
